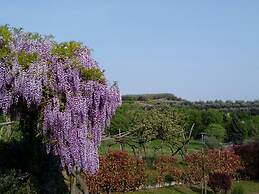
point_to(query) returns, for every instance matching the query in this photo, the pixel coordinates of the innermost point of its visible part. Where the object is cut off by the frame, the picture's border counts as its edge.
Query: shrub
(219, 182)
(239, 189)
(16, 182)
(213, 161)
(249, 154)
(166, 166)
(212, 142)
(119, 172)
(43, 170)
(217, 131)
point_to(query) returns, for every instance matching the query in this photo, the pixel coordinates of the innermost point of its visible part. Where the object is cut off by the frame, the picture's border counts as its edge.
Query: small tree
(160, 123)
(217, 131)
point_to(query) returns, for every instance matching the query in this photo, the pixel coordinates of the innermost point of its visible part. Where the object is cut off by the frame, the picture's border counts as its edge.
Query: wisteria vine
(65, 82)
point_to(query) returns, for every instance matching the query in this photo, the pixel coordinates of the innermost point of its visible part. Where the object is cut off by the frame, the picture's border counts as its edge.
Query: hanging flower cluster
(68, 87)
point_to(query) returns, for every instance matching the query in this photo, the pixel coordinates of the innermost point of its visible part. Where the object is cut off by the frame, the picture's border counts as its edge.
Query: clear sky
(198, 50)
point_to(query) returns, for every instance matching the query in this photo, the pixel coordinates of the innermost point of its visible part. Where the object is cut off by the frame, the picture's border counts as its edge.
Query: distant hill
(251, 107)
(146, 97)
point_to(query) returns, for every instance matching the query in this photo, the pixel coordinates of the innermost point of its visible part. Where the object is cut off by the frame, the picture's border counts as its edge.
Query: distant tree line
(234, 125)
(251, 107)
(146, 97)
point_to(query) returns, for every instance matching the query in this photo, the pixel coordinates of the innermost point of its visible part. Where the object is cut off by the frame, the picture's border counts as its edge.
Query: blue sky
(198, 50)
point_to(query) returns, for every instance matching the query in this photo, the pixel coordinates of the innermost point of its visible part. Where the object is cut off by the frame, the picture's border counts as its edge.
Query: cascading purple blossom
(69, 88)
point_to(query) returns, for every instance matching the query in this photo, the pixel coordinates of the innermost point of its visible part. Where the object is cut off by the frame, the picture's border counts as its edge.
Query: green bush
(239, 189)
(212, 142)
(217, 131)
(22, 168)
(16, 182)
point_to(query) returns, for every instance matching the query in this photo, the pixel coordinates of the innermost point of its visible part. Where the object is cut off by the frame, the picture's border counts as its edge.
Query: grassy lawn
(167, 190)
(250, 187)
(194, 145)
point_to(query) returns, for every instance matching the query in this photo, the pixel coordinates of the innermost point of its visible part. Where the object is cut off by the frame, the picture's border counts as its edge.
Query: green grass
(105, 146)
(194, 145)
(250, 187)
(167, 190)
(150, 148)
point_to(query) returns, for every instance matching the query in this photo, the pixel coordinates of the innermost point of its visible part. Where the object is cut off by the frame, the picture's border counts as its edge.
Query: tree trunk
(8, 128)
(144, 149)
(75, 182)
(44, 168)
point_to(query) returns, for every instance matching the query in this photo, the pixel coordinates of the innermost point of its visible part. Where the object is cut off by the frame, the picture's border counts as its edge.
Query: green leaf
(5, 34)
(66, 49)
(4, 52)
(93, 74)
(25, 59)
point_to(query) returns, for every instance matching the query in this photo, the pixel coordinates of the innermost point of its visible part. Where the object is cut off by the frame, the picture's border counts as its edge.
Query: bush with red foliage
(199, 165)
(249, 154)
(118, 172)
(219, 182)
(167, 169)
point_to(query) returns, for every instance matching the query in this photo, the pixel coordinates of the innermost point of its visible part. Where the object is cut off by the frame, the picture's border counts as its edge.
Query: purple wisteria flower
(69, 88)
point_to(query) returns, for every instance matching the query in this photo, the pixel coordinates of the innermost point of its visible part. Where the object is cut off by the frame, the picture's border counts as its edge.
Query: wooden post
(119, 137)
